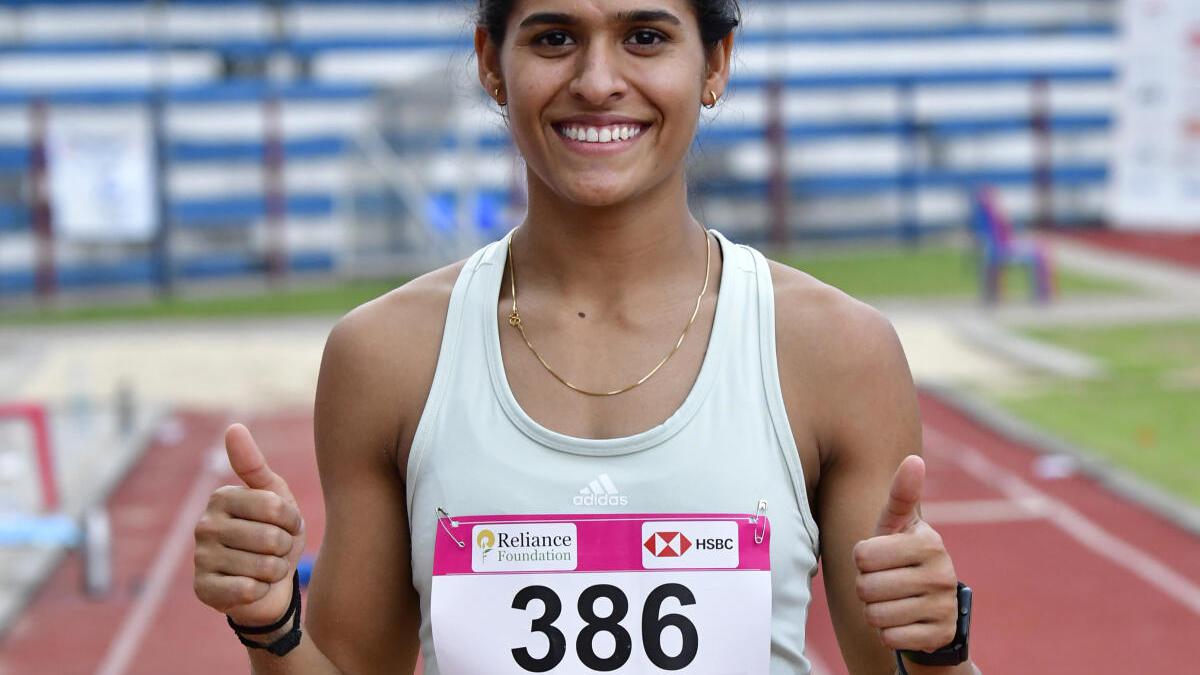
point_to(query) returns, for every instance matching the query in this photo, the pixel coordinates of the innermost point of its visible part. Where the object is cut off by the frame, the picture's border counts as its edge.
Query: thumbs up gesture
(905, 577)
(249, 539)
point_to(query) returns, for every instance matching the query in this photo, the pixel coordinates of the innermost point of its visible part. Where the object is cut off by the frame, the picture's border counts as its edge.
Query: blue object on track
(30, 530)
(305, 568)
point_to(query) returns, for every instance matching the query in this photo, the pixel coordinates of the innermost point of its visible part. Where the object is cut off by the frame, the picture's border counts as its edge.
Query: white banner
(629, 594)
(101, 175)
(1156, 160)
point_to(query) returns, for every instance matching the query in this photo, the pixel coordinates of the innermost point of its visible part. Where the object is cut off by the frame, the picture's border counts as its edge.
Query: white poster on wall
(101, 170)
(1156, 160)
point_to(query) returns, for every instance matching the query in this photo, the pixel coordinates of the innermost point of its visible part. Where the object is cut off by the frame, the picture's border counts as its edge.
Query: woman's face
(602, 96)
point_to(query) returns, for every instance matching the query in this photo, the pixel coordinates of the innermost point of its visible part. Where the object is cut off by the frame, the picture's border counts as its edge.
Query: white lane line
(973, 511)
(1076, 525)
(124, 646)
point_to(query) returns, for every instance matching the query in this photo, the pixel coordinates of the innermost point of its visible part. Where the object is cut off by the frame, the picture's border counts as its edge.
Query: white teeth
(600, 134)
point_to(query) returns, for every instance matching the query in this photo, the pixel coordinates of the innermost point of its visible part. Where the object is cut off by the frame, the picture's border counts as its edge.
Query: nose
(598, 79)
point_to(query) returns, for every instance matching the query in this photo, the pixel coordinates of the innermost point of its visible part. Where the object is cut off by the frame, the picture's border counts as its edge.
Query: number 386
(653, 626)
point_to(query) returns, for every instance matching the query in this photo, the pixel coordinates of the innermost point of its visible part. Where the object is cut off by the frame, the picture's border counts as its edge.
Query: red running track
(1178, 248)
(1069, 579)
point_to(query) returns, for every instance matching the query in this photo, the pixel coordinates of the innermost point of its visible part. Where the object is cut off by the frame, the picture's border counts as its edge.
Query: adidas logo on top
(601, 492)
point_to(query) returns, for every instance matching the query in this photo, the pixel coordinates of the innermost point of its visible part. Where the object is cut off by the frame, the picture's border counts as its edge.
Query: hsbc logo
(667, 544)
(690, 544)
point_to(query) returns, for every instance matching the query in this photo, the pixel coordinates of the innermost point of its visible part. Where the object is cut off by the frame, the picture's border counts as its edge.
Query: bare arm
(890, 582)
(375, 377)
(362, 612)
(865, 418)
(362, 609)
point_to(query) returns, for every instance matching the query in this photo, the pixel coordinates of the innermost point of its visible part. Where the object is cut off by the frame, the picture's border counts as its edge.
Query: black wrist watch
(953, 653)
(284, 643)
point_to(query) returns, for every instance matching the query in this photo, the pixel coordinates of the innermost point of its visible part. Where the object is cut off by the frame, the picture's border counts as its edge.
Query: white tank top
(728, 445)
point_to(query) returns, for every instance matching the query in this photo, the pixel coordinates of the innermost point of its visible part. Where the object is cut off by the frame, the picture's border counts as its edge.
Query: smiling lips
(591, 136)
(606, 134)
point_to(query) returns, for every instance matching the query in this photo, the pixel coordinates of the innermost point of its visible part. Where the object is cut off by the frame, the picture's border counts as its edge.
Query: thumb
(903, 498)
(249, 464)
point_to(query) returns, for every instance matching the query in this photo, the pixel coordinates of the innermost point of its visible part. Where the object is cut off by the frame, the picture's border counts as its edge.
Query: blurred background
(193, 191)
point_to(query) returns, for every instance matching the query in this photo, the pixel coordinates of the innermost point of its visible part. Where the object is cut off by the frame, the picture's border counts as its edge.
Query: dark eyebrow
(648, 16)
(631, 16)
(550, 18)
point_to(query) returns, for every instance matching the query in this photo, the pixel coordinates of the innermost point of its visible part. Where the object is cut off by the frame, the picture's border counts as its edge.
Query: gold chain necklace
(514, 320)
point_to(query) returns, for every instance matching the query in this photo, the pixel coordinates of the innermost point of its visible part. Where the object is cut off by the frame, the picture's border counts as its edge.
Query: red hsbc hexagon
(667, 544)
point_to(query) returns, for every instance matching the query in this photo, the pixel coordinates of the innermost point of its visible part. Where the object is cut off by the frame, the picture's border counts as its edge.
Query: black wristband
(954, 653)
(286, 642)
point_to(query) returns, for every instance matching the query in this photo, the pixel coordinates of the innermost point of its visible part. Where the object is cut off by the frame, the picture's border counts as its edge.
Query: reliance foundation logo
(524, 547)
(485, 541)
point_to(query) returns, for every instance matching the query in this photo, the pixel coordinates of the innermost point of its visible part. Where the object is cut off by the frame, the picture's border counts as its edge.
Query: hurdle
(91, 534)
(35, 415)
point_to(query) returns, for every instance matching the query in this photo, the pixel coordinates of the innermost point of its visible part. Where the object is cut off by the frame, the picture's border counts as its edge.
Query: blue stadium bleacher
(344, 52)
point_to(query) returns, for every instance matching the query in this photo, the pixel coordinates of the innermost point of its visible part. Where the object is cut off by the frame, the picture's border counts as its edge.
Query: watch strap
(954, 653)
(284, 643)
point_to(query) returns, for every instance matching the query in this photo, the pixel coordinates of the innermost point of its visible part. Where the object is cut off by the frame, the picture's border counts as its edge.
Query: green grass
(927, 272)
(336, 298)
(1144, 415)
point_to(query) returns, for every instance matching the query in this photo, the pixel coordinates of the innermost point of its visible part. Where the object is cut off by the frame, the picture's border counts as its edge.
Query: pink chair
(999, 247)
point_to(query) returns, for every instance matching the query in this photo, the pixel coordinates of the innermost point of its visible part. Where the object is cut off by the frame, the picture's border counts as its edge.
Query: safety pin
(760, 529)
(442, 518)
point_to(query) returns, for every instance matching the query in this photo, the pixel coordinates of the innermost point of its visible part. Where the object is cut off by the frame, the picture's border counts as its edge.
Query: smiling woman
(689, 441)
(581, 82)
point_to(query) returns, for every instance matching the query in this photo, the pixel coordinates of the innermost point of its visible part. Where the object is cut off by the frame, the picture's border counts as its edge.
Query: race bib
(602, 594)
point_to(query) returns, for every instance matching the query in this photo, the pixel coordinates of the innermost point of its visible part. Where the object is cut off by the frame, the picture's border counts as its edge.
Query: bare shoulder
(387, 350)
(401, 325)
(835, 352)
(830, 326)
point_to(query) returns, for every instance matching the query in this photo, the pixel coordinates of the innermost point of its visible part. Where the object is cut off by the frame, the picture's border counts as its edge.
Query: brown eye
(647, 38)
(554, 38)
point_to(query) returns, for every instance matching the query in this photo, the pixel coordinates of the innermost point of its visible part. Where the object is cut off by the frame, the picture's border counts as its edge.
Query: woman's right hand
(249, 540)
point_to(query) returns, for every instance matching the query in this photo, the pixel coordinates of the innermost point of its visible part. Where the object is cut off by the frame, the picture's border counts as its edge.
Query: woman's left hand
(906, 579)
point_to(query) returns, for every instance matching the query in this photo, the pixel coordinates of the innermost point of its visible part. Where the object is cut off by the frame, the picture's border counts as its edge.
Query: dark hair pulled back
(717, 18)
